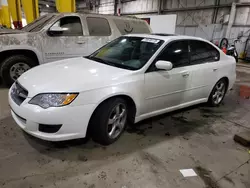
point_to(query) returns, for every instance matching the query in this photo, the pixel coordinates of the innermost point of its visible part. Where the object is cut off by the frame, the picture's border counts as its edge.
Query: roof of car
(165, 37)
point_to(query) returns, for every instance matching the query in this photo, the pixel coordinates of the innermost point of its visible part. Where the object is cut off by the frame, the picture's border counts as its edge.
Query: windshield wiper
(100, 60)
(109, 63)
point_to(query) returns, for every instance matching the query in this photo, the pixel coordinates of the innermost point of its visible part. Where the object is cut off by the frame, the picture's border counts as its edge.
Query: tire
(99, 126)
(10, 63)
(217, 95)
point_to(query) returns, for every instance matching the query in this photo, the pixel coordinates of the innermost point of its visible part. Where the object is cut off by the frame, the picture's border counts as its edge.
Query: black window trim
(171, 42)
(100, 18)
(190, 51)
(47, 32)
(189, 54)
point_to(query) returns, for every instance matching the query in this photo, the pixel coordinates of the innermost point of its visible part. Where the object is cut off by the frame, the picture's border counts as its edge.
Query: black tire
(98, 125)
(211, 101)
(9, 62)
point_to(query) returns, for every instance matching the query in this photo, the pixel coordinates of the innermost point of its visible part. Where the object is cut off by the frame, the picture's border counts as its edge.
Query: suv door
(166, 89)
(64, 39)
(99, 33)
(204, 60)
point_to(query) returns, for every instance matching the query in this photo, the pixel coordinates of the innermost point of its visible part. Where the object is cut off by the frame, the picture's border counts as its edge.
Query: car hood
(70, 75)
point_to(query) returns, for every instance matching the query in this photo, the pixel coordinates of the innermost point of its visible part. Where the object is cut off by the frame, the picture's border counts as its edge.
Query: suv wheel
(14, 66)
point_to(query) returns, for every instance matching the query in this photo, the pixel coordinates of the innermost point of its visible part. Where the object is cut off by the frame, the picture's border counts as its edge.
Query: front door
(64, 39)
(166, 89)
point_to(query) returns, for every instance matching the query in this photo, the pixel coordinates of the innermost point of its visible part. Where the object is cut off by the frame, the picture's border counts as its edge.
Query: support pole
(5, 14)
(66, 5)
(231, 19)
(1, 17)
(15, 11)
(31, 11)
(159, 6)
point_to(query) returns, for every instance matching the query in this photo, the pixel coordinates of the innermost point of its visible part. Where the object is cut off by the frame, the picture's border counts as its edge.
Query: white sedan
(130, 79)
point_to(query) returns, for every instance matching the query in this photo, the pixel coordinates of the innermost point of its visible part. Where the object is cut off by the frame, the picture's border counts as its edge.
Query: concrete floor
(147, 156)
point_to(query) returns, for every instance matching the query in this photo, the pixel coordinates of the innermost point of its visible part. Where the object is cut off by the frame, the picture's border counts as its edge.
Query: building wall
(196, 19)
(106, 7)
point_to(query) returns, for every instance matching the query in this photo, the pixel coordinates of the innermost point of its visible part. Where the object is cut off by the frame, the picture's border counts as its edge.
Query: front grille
(18, 93)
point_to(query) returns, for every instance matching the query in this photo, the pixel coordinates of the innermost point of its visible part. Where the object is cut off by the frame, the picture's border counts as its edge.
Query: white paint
(153, 93)
(162, 23)
(188, 172)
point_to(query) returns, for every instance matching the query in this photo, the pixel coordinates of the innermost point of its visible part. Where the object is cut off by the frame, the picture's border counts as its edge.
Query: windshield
(38, 24)
(127, 52)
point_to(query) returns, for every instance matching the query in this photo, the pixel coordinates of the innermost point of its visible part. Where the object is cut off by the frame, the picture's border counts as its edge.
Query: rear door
(99, 33)
(204, 60)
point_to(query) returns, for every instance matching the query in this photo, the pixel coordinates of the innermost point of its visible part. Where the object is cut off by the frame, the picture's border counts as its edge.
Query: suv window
(202, 52)
(131, 26)
(69, 26)
(98, 26)
(177, 53)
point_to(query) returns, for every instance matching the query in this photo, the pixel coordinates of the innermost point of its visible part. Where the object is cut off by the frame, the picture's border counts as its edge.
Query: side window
(98, 26)
(177, 53)
(67, 26)
(202, 52)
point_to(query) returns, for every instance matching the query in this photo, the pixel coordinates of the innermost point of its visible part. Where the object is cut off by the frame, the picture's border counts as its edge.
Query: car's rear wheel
(109, 121)
(14, 66)
(218, 93)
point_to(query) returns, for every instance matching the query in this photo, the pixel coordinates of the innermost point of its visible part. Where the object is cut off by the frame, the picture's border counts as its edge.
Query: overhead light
(47, 5)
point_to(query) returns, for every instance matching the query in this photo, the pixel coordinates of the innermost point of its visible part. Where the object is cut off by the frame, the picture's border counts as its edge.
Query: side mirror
(56, 30)
(164, 65)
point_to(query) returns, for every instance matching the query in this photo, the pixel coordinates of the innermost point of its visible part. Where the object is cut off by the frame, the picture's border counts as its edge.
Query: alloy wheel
(219, 92)
(18, 69)
(117, 121)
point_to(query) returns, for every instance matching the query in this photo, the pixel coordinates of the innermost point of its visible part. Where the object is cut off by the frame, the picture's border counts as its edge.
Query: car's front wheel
(218, 93)
(109, 121)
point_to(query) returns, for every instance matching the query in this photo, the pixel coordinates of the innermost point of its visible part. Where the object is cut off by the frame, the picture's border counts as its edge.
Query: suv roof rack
(163, 34)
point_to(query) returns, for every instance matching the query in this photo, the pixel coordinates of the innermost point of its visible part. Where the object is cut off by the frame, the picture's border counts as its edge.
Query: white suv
(59, 36)
(130, 79)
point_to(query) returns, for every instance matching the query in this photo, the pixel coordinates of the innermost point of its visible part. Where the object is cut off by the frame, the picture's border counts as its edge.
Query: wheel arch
(132, 108)
(26, 52)
(227, 81)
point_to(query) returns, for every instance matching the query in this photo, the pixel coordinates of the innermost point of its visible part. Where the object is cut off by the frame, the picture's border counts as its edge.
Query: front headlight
(47, 100)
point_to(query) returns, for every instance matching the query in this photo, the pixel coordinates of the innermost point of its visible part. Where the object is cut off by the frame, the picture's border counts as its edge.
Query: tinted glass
(127, 52)
(131, 26)
(176, 53)
(71, 26)
(98, 27)
(202, 52)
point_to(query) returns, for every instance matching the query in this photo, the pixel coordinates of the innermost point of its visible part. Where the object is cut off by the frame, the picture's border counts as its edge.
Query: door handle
(215, 69)
(80, 41)
(185, 74)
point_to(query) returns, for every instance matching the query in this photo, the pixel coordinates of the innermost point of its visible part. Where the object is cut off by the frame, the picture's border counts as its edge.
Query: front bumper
(74, 120)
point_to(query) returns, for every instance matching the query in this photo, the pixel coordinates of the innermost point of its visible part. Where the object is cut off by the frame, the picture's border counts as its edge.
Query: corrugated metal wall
(196, 19)
(106, 7)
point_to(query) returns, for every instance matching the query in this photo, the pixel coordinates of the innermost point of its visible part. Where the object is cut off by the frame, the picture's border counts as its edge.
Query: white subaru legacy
(130, 79)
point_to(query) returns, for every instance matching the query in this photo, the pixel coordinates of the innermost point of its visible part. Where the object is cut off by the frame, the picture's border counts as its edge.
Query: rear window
(131, 26)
